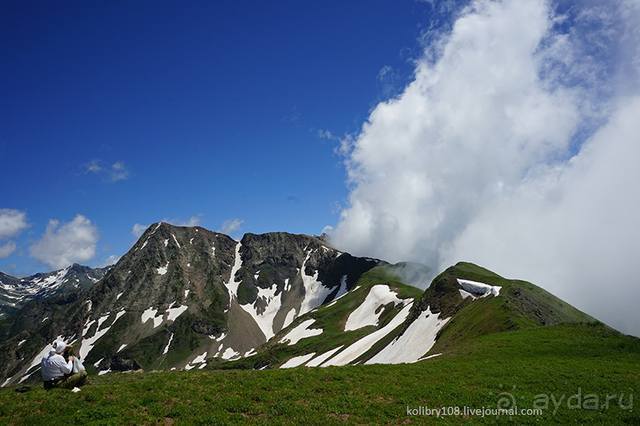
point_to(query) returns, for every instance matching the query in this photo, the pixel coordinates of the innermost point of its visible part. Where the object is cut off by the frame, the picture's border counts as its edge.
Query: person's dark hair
(68, 352)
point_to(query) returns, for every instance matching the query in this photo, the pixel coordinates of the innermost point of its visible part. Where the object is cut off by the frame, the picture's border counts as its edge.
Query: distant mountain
(16, 292)
(186, 297)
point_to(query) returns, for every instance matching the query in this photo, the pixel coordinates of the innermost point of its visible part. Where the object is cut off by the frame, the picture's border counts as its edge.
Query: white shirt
(54, 366)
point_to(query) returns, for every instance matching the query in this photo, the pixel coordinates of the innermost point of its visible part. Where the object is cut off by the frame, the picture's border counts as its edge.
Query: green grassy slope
(555, 360)
(520, 305)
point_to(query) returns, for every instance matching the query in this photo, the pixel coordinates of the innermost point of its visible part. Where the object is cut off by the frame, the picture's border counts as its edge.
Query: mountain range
(189, 298)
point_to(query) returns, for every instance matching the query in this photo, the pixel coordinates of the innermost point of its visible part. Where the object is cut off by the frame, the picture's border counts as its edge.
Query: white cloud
(572, 229)
(65, 243)
(230, 226)
(115, 172)
(12, 222)
(118, 171)
(6, 249)
(93, 166)
(326, 135)
(470, 161)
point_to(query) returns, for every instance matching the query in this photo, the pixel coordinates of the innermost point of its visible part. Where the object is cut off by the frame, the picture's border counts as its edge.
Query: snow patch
(301, 331)
(369, 311)
(150, 313)
(343, 288)
(163, 269)
(430, 356)
(87, 344)
(356, 349)
(199, 359)
(291, 315)
(229, 353)
(166, 348)
(323, 357)
(26, 376)
(119, 295)
(173, 313)
(219, 338)
(232, 285)
(314, 291)
(479, 289)
(416, 341)
(297, 360)
(466, 294)
(119, 314)
(176, 240)
(121, 347)
(264, 319)
(102, 319)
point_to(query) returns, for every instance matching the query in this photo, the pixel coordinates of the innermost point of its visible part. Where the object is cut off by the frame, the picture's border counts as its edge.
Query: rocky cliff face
(181, 291)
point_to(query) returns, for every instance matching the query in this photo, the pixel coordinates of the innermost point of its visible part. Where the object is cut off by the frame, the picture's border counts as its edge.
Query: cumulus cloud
(12, 222)
(481, 158)
(231, 226)
(7, 249)
(65, 243)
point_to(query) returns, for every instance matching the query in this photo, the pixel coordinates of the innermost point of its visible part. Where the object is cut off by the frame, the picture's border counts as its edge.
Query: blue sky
(210, 110)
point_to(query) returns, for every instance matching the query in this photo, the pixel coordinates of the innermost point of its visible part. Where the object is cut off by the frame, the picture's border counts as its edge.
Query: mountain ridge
(187, 297)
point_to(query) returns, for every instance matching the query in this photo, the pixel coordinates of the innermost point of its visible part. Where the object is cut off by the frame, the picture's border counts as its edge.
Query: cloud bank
(512, 148)
(65, 243)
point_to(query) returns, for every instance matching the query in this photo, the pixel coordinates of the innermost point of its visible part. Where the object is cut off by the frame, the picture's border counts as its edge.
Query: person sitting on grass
(60, 372)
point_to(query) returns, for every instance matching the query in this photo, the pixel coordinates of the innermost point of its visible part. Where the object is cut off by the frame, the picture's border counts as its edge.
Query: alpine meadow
(362, 212)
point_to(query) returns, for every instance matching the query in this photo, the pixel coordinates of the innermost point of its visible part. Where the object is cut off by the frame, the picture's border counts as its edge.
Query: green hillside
(555, 360)
(524, 347)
